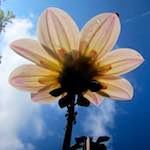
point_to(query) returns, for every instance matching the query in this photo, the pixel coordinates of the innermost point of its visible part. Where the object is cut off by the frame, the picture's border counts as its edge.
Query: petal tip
(130, 97)
(117, 14)
(98, 102)
(140, 58)
(130, 94)
(14, 45)
(11, 81)
(11, 45)
(33, 97)
(52, 9)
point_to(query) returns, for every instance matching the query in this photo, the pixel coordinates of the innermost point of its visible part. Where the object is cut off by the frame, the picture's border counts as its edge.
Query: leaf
(1, 14)
(5, 19)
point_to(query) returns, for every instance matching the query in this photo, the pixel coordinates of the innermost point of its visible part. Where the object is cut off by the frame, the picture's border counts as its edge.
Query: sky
(25, 125)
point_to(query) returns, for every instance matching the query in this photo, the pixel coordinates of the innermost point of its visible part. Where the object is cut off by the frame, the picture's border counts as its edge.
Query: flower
(67, 60)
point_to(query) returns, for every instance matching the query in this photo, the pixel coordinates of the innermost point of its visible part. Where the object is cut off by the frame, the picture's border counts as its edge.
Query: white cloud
(100, 118)
(6, 143)
(16, 109)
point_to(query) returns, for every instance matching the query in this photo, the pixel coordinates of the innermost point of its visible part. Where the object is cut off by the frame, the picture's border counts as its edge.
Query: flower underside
(77, 77)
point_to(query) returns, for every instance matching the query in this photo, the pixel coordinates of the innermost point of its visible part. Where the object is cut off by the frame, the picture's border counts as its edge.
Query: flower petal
(99, 35)
(57, 32)
(116, 88)
(33, 51)
(120, 61)
(43, 95)
(27, 77)
(93, 97)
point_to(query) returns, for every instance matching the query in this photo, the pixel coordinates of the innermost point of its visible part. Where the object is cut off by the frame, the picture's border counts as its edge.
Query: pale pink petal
(33, 51)
(120, 61)
(57, 32)
(30, 77)
(99, 35)
(93, 97)
(116, 88)
(43, 95)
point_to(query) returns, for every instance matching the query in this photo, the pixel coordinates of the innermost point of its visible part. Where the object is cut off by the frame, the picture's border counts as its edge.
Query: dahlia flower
(66, 60)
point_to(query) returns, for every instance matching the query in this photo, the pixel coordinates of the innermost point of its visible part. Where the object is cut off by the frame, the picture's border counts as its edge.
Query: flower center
(77, 74)
(76, 77)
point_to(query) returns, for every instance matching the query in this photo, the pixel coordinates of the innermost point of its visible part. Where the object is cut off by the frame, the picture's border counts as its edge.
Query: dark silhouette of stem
(70, 121)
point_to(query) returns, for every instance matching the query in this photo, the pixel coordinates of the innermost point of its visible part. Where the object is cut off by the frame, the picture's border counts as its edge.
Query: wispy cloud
(146, 13)
(16, 109)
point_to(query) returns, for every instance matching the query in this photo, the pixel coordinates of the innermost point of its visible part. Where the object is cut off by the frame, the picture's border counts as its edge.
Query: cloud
(17, 112)
(100, 118)
(146, 13)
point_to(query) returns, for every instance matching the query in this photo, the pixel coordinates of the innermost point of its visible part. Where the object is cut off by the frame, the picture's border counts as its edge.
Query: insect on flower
(72, 62)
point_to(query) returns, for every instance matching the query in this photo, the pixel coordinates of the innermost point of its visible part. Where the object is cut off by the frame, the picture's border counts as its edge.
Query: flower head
(72, 62)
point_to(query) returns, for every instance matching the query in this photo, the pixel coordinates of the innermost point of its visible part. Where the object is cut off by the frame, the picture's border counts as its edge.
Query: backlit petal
(120, 61)
(29, 77)
(43, 95)
(33, 51)
(99, 35)
(93, 97)
(57, 32)
(116, 88)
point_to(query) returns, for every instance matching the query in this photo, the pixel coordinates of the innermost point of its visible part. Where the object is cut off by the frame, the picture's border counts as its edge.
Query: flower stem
(70, 121)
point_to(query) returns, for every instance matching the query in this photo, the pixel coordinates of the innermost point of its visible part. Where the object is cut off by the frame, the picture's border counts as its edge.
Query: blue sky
(41, 127)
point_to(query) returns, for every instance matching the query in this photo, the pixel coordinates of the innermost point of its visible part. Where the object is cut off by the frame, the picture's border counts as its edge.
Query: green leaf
(1, 14)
